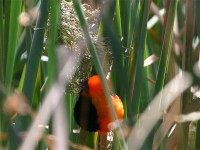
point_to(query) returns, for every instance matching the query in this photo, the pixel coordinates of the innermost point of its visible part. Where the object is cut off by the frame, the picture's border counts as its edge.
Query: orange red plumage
(92, 111)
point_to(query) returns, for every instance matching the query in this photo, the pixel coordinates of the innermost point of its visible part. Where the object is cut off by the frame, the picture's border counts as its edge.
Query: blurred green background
(143, 44)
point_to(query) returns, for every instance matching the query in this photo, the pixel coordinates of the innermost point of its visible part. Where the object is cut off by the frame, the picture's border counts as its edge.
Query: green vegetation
(149, 50)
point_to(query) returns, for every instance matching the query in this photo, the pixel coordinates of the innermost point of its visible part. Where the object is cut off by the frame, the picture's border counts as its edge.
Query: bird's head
(95, 85)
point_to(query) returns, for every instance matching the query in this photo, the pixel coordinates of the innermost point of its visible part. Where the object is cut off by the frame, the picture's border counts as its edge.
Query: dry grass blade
(173, 140)
(194, 116)
(177, 43)
(53, 98)
(159, 17)
(155, 10)
(167, 123)
(150, 60)
(50, 140)
(60, 126)
(155, 110)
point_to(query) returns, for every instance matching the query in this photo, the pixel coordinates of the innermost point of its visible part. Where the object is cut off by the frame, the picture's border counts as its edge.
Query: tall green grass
(173, 38)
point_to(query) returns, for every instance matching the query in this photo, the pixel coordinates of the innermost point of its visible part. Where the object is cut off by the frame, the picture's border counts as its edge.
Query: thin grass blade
(166, 47)
(35, 52)
(1, 42)
(97, 63)
(12, 42)
(53, 97)
(51, 44)
(140, 42)
(152, 113)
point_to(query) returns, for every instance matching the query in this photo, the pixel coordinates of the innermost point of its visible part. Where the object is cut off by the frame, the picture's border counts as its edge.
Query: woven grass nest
(70, 34)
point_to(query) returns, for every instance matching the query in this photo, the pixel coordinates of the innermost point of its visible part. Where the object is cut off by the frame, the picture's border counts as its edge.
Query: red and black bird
(92, 111)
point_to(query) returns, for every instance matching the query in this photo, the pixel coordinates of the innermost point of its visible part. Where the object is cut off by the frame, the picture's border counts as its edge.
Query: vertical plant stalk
(35, 52)
(192, 135)
(55, 95)
(115, 45)
(97, 63)
(111, 29)
(6, 31)
(139, 59)
(51, 44)
(125, 8)
(12, 42)
(118, 19)
(1, 43)
(188, 62)
(60, 127)
(20, 50)
(112, 10)
(166, 47)
(135, 9)
(197, 145)
(93, 52)
(130, 63)
(150, 117)
(22, 122)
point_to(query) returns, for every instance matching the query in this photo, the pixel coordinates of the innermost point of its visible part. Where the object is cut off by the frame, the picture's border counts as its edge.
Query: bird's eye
(84, 85)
